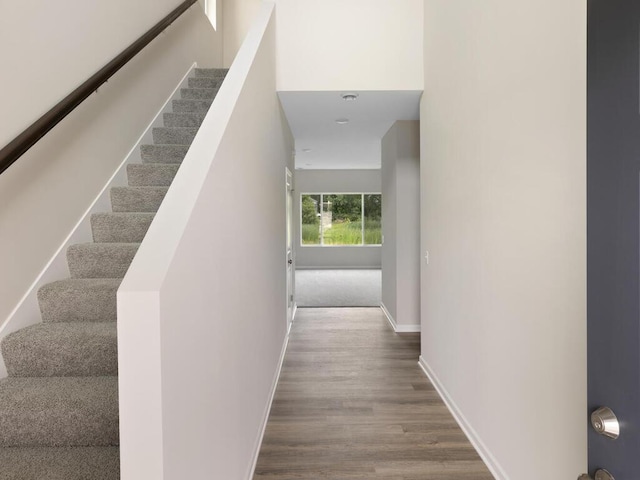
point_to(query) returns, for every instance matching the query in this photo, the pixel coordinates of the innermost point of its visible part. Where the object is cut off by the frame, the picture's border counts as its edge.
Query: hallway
(352, 403)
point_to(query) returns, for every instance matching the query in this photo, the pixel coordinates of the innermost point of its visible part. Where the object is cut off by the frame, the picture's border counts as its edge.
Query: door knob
(605, 422)
(600, 475)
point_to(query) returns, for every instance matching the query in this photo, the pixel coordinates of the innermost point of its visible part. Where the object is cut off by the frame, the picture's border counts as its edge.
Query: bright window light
(340, 219)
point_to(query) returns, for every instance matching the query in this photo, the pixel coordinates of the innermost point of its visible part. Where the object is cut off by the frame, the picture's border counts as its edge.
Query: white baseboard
(267, 411)
(486, 455)
(293, 317)
(27, 311)
(338, 267)
(390, 318)
(408, 329)
(399, 328)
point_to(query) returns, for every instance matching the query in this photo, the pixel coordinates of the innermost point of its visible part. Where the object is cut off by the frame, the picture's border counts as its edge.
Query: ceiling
(321, 143)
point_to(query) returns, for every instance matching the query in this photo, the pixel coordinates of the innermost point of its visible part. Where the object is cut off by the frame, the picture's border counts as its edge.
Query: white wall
(48, 49)
(401, 225)
(238, 17)
(213, 9)
(503, 217)
(389, 149)
(355, 44)
(46, 52)
(202, 311)
(334, 181)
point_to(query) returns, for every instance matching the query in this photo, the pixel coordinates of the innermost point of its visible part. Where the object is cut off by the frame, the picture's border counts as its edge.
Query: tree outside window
(341, 219)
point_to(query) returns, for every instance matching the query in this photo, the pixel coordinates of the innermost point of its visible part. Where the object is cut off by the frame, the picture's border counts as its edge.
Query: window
(334, 219)
(210, 9)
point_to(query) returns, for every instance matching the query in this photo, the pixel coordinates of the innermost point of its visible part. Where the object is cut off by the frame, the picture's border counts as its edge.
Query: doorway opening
(334, 228)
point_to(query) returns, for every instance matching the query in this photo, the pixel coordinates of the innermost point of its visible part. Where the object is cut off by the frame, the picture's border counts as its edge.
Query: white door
(289, 257)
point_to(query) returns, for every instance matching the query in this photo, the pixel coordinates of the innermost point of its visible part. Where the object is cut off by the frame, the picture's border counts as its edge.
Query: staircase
(59, 404)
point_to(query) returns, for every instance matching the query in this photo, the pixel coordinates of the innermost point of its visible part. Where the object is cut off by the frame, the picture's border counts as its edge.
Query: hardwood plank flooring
(352, 404)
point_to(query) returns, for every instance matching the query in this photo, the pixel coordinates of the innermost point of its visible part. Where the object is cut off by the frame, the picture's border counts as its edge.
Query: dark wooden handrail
(23, 142)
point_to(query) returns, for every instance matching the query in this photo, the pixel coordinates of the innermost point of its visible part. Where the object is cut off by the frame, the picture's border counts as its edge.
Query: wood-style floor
(352, 403)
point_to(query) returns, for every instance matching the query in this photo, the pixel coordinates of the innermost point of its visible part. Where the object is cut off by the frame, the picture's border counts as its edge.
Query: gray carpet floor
(338, 288)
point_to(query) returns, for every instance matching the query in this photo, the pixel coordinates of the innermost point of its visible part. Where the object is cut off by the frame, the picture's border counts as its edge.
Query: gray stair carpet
(59, 404)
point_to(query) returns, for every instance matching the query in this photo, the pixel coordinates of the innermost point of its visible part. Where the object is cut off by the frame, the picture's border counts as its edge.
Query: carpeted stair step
(151, 174)
(163, 153)
(174, 135)
(59, 405)
(100, 260)
(137, 199)
(198, 93)
(58, 411)
(120, 227)
(211, 72)
(79, 300)
(61, 463)
(205, 82)
(191, 106)
(62, 350)
(183, 119)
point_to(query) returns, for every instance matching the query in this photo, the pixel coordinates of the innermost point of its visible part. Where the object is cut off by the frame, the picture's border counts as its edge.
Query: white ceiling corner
(356, 145)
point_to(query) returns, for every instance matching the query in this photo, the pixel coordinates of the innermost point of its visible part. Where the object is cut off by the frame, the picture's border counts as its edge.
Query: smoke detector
(349, 97)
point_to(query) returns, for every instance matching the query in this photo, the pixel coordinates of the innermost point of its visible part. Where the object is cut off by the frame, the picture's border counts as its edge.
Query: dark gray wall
(613, 166)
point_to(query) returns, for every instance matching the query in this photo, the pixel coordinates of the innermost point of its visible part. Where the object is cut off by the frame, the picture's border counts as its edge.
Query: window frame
(362, 228)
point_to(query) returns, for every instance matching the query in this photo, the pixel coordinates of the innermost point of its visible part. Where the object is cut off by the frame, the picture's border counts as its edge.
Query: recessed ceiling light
(349, 97)
(342, 121)
(306, 150)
